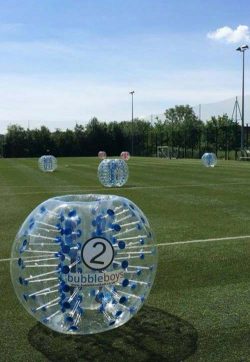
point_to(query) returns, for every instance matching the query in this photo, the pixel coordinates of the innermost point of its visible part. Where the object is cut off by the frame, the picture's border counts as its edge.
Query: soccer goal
(243, 155)
(167, 152)
(163, 152)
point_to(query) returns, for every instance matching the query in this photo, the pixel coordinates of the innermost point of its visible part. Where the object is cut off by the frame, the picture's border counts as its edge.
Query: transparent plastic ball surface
(102, 155)
(84, 264)
(125, 155)
(47, 163)
(113, 172)
(209, 159)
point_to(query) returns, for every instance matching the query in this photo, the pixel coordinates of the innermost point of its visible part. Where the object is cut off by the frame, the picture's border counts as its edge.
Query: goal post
(163, 152)
(167, 152)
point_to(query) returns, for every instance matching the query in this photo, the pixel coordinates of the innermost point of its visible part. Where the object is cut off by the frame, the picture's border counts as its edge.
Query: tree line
(181, 130)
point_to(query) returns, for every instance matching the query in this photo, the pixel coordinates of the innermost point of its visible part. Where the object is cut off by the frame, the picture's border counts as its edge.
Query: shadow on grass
(152, 335)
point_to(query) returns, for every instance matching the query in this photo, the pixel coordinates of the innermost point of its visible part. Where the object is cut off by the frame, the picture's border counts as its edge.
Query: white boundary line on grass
(128, 187)
(94, 189)
(180, 243)
(203, 240)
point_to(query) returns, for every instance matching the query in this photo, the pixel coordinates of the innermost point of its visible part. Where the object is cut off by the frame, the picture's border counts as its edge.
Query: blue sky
(67, 61)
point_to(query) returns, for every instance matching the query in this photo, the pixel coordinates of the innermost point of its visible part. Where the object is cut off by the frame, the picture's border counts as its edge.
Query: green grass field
(198, 308)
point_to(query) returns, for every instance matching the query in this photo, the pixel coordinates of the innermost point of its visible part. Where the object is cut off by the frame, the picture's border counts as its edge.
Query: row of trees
(181, 129)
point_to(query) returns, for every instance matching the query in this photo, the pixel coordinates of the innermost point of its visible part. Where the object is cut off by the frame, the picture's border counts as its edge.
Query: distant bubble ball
(209, 159)
(102, 155)
(47, 163)
(125, 155)
(84, 264)
(113, 172)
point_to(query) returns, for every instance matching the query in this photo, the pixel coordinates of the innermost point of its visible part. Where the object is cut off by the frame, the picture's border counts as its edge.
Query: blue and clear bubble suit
(113, 172)
(83, 264)
(209, 159)
(47, 163)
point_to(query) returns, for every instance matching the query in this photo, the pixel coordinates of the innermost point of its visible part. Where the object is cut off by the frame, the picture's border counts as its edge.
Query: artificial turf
(198, 308)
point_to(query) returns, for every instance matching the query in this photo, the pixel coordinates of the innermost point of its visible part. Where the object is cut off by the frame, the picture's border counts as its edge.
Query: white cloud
(241, 33)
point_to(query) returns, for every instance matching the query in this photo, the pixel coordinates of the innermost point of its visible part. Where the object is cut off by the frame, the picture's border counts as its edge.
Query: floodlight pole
(242, 49)
(132, 120)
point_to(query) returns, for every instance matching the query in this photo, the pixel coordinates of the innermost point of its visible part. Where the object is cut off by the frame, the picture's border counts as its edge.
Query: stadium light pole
(242, 49)
(132, 119)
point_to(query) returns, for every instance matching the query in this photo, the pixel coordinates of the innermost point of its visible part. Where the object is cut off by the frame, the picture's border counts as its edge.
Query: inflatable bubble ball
(102, 155)
(83, 264)
(113, 172)
(125, 155)
(209, 159)
(47, 163)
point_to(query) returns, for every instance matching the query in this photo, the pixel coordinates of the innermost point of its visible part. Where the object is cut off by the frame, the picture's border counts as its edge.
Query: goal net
(167, 152)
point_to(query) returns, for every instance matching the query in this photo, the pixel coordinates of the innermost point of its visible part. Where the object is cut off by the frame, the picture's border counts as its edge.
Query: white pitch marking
(180, 243)
(203, 240)
(130, 188)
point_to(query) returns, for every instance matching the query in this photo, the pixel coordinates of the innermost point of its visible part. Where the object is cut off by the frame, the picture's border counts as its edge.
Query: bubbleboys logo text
(88, 279)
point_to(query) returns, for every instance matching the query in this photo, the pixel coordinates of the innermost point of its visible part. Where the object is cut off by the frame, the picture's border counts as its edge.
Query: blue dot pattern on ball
(209, 159)
(79, 265)
(113, 172)
(47, 163)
